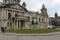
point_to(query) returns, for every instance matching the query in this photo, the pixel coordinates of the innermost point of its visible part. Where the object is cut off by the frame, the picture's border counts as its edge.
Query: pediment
(16, 6)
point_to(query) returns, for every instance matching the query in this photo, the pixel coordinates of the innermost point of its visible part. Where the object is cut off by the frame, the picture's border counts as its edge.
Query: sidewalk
(45, 34)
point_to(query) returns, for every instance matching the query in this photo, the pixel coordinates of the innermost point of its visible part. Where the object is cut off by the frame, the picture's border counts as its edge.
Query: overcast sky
(51, 5)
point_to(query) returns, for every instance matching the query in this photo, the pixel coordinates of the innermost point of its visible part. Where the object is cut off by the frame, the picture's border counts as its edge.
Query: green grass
(32, 31)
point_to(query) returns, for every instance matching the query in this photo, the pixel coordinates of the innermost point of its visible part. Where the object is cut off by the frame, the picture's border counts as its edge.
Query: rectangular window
(39, 19)
(8, 24)
(42, 19)
(9, 15)
(20, 14)
(15, 15)
(28, 18)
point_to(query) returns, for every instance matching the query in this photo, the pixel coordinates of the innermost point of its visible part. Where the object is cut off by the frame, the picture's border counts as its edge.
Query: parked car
(51, 27)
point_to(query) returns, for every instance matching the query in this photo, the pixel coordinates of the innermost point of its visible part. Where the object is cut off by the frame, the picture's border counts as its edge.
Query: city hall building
(14, 15)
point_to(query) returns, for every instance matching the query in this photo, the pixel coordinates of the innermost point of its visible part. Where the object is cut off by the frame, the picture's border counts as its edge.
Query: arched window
(10, 23)
(9, 15)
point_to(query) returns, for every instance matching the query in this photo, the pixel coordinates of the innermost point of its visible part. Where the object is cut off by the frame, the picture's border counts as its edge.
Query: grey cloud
(35, 5)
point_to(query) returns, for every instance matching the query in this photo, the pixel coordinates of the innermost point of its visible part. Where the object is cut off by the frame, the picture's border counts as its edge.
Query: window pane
(8, 24)
(9, 15)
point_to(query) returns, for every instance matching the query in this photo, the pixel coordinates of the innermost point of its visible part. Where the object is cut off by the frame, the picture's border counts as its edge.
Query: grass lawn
(32, 31)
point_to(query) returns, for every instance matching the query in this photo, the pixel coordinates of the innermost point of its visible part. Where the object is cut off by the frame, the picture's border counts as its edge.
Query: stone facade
(13, 15)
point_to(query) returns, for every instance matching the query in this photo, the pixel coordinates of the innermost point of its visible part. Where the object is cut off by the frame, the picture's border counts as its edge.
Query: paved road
(15, 37)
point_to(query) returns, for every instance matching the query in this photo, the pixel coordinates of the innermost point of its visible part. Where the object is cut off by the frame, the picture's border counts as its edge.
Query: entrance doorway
(22, 23)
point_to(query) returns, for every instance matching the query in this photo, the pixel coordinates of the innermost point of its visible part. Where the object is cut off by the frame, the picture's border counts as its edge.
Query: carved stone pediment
(15, 6)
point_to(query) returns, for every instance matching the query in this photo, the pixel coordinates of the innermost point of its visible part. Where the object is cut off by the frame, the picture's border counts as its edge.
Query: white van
(51, 27)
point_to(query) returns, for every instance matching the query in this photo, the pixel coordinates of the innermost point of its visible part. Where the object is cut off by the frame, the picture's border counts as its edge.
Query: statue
(24, 4)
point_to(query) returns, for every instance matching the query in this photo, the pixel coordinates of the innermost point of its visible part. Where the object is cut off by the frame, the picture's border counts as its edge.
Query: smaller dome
(43, 6)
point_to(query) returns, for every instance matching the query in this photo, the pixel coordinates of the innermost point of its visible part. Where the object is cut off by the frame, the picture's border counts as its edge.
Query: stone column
(17, 24)
(14, 24)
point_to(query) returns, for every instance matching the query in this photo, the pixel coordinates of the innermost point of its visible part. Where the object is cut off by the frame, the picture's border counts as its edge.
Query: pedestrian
(2, 29)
